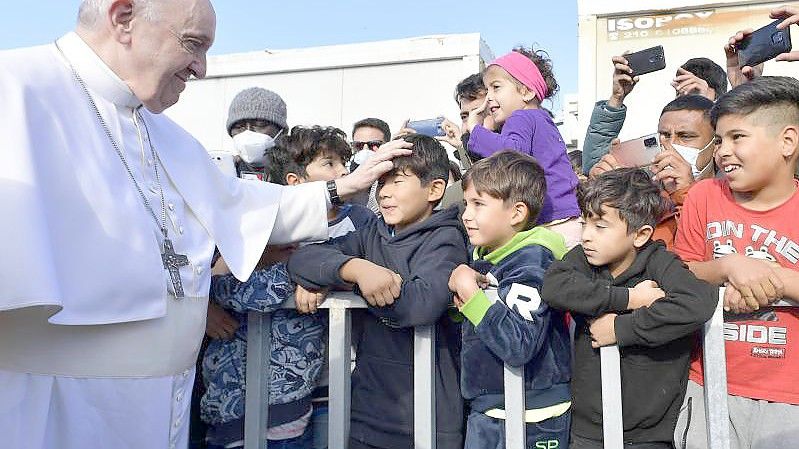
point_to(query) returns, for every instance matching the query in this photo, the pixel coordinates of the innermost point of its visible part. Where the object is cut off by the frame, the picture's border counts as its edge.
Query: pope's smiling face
(168, 49)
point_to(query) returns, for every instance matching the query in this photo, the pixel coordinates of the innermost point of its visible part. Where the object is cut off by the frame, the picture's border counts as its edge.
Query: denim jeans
(484, 432)
(319, 420)
(304, 441)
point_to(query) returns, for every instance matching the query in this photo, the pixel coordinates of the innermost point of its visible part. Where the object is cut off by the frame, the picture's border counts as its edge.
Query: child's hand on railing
(465, 282)
(307, 301)
(379, 286)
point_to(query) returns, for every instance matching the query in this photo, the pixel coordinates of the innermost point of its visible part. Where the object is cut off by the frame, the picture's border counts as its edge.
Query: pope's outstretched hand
(366, 174)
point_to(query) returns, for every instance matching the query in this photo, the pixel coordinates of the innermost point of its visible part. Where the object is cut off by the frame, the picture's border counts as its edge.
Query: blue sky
(246, 25)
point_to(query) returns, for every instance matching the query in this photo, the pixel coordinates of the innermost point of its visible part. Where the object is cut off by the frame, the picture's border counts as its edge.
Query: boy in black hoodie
(622, 288)
(400, 265)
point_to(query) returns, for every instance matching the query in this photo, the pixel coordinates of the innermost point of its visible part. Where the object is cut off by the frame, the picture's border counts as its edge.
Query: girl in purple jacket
(517, 83)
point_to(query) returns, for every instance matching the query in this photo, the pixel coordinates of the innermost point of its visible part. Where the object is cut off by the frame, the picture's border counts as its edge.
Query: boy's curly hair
(541, 60)
(293, 152)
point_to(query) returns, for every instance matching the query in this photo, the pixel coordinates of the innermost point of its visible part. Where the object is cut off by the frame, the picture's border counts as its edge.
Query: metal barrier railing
(715, 375)
(339, 306)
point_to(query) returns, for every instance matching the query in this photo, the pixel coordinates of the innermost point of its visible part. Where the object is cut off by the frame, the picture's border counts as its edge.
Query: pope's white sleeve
(302, 216)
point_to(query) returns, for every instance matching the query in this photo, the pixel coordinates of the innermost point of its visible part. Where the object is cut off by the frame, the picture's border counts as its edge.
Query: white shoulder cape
(74, 239)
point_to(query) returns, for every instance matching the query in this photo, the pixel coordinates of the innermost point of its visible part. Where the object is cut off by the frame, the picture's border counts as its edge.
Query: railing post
(515, 425)
(612, 418)
(340, 342)
(256, 405)
(715, 370)
(424, 387)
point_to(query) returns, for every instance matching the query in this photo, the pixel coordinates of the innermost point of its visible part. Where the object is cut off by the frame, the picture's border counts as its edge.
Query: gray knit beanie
(257, 103)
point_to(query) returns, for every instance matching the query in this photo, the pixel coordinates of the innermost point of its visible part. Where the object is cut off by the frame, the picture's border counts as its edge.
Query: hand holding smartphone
(638, 152)
(646, 61)
(763, 44)
(430, 127)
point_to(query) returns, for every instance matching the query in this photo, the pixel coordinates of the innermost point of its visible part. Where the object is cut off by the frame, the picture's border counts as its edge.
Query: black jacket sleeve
(424, 295)
(569, 286)
(689, 302)
(317, 266)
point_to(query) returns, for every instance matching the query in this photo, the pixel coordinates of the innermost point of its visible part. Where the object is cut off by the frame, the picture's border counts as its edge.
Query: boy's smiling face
(489, 221)
(403, 199)
(754, 155)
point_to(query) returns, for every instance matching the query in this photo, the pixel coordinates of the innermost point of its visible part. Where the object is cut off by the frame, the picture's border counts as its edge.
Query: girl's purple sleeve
(517, 134)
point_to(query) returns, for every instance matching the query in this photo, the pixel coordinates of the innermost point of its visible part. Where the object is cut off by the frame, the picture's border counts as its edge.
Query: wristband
(333, 193)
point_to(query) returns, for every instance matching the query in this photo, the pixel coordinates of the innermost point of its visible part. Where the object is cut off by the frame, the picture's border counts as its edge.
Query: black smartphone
(646, 61)
(763, 44)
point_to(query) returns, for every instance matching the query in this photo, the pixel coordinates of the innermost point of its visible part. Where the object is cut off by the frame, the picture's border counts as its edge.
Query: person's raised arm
(736, 74)
(623, 81)
(608, 116)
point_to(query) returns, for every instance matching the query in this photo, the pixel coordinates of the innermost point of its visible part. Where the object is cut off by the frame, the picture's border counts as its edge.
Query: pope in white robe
(96, 350)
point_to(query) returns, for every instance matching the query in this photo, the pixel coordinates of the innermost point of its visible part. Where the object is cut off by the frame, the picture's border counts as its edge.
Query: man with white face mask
(687, 138)
(255, 118)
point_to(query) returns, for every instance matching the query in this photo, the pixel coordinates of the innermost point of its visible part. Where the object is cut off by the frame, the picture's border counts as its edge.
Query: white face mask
(251, 146)
(691, 154)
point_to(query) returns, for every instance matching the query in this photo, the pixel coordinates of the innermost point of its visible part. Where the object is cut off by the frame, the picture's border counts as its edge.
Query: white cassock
(94, 351)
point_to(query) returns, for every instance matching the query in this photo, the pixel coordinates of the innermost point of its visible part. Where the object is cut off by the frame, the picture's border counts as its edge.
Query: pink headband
(524, 70)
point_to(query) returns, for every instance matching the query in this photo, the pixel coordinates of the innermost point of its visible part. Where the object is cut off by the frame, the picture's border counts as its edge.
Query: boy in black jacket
(622, 288)
(400, 265)
(498, 294)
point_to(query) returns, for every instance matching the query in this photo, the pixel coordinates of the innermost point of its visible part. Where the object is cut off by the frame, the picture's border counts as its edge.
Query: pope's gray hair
(92, 10)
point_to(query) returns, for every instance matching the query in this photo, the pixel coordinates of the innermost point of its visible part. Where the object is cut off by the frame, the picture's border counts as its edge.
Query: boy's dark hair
(511, 177)
(576, 160)
(541, 60)
(691, 102)
(455, 171)
(428, 161)
(471, 88)
(373, 123)
(778, 94)
(631, 191)
(710, 72)
(293, 152)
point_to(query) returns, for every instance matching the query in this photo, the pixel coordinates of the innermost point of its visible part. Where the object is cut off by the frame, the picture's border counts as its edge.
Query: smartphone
(224, 161)
(763, 44)
(638, 152)
(430, 127)
(646, 61)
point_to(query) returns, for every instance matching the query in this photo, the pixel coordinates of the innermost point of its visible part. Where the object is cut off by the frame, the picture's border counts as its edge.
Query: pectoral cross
(172, 263)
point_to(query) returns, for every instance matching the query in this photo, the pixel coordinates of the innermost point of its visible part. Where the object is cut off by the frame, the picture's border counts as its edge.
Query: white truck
(337, 85)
